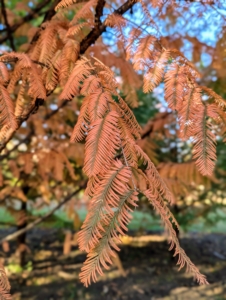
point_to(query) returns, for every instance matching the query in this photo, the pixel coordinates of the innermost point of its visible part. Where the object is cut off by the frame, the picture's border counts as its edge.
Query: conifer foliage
(118, 170)
(4, 285)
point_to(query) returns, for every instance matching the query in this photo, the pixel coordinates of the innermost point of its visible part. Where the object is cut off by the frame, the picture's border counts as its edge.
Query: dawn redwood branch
(29, 135)
(48, 16)
(37, 102)
(25, 19)
(14, 235)
(8, 28)
(51, 12)
(99, 12)
(95, 33)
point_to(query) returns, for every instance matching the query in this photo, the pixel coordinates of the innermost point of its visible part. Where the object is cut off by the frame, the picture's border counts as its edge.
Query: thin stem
(8, 28)
(126, 162)
(41, 219)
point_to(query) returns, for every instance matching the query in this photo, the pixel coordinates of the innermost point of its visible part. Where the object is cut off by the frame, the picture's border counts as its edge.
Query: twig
(53, 112)
(48, 16)
(28, 137)
(14, 235)
(8, 28)
(96, 32)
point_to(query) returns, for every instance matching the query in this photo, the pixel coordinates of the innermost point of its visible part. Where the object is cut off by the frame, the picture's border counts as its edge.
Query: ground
(151, 271)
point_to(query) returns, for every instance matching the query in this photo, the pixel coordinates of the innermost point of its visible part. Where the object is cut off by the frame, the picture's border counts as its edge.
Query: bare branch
(101, 27)
(25, 19)
(14, 235)
(29, 135)
(8, 28)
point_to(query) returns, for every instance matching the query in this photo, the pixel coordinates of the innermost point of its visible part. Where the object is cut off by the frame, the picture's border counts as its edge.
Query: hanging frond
(4, 74)
(149, 146)
(113, 225)
(166, 216)
(204, 151)
(69, 56)
(7, 117)
(144, 52)
(4, 285)
(182, 178)
(90, 85)
(81, 128)
(188, 111)
(107, 196)
(101, 145)
(76, 30)
(98, 104)
(48, 43)
(36, 88)
(118, 22)
(155, 75)
(134, 34)
(127, 143)
(64, 3)
(129, 118)
(52, 74)
(78, 75)
(23, 101)
(175, 82)
(106, 75)
(29, 71)
(217, 98)
(86, 12)
(153, 177)
(92, 186)
(14, 57)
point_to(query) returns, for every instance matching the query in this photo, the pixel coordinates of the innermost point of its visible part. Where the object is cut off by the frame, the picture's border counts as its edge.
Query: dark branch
(51, 12)
(48, 16)
(8, 28)
(29, 135)
(14, 235)
(101, 27)
(53, 112)
(25, 19)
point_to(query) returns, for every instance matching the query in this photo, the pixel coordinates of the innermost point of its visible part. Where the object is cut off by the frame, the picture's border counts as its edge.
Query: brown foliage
(118, 169)
(4, 285)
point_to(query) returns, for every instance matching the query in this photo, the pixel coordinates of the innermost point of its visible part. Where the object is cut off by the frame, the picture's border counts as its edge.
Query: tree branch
(99, 28)
(14, 235)
(29, 135)
(8, 28)
(86, 42)
(48, 16)
(25, 19)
